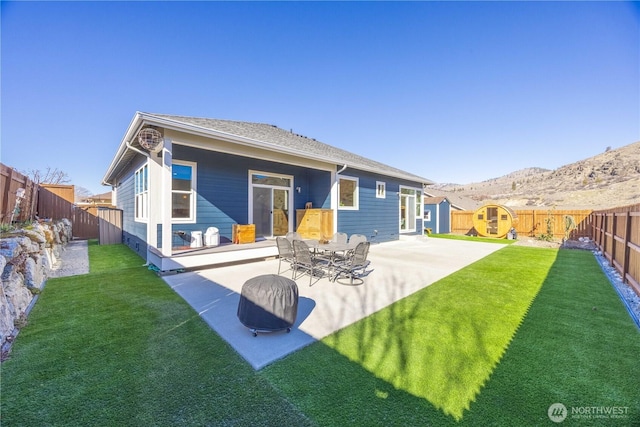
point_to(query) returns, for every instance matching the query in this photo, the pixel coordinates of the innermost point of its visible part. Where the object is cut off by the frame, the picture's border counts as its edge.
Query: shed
(494, 220)
(437, 214)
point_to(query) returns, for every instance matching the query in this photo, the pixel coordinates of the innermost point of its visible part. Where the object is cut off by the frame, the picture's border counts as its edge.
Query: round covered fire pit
(268, 303)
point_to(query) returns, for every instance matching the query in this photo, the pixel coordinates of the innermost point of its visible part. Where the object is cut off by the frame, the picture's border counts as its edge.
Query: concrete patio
(400, 268)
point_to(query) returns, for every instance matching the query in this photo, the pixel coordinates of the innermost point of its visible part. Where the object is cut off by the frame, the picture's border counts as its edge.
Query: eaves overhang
(125, 154)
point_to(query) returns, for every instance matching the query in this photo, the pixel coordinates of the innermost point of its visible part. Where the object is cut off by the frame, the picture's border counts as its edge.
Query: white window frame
(356, 193)
(381, 190)
(192, 193)
(427, 215)
(141, 194)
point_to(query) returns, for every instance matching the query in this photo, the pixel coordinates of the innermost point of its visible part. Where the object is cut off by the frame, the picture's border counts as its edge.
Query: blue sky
(452, 91)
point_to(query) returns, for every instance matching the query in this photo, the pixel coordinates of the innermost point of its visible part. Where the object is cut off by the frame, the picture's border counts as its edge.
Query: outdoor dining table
(330, 251)
(332, 248)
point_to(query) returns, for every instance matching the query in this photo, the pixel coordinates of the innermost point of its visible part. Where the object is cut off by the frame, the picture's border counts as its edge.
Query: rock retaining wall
(27, 257)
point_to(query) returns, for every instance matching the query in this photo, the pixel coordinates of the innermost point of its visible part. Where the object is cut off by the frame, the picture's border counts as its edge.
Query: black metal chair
(354, 267)
(306, 262)
(285, 254)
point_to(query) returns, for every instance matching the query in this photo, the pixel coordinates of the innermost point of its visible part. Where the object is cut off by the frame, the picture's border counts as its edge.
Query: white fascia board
(134, 125)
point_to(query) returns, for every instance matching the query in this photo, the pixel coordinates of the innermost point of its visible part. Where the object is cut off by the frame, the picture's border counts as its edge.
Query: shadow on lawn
(442, 343)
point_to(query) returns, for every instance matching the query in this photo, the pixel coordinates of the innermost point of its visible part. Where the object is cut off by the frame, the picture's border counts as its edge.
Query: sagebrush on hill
(604, 181)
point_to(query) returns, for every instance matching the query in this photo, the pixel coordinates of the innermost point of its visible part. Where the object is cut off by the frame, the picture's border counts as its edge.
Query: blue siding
(376, 218)
(432, 209)
(222, 197)
(223, 188)
(445, 217)
(441, 218)
(134, 233)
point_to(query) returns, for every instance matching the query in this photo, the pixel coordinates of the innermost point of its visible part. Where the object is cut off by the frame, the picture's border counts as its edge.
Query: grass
(493, 344)
(472, 238)
(119, 347)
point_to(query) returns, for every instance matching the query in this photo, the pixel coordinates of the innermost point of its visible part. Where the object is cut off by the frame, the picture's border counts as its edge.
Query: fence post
(627, 249)
(534, 223)
(614, 227)
(6, 204)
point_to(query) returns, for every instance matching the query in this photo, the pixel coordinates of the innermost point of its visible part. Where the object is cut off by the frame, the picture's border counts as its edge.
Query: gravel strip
(74, 260)
(630, 299)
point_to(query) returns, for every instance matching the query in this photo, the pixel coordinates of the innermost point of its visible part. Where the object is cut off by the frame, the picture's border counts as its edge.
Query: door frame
(289, 188)
(414, 203)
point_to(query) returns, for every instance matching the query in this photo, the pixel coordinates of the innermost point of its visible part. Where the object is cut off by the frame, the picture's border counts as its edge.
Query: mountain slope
(603, 181)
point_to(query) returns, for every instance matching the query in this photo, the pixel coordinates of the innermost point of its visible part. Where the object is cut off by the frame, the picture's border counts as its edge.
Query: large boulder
(6, 316)
(27, 257)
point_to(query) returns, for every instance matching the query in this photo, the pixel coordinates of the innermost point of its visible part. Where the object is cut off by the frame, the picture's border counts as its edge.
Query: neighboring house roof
(98, 198)
(457, 202)
(434, 200)
(264, 136)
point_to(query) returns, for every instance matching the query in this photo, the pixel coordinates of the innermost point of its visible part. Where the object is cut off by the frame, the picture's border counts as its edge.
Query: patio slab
(400, 268)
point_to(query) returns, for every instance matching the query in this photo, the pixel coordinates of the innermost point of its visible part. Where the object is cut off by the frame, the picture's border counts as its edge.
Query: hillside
(603, 181)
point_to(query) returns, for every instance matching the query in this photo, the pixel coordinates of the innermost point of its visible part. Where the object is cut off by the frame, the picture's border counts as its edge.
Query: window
(183, 192)
(381, 190)
(142, 194)
(427, 215)
(348, 193)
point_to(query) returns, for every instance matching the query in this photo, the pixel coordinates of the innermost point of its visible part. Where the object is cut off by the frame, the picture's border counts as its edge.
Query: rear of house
(208, 174)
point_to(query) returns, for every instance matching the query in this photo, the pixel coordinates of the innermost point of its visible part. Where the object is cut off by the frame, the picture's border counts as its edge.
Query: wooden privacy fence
(617, 234)
(110, 226)
(18, 196)
(532, 223)
(84, 224)
(23, 200)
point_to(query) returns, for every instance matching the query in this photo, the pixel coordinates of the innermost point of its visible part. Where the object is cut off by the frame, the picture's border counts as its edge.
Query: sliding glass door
(270, 201)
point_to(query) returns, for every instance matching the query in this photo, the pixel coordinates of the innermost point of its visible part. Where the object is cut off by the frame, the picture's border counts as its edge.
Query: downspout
(131, 147)
(335, 213)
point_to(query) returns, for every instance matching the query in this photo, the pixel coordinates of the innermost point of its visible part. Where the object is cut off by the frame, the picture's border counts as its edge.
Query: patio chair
(293, 235)
(285, 253)
(357, 238)
(307, 263)
(354, 268)
(339, 237)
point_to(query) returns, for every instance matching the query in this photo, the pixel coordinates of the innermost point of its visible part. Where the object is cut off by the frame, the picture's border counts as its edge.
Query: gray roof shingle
(285, 140)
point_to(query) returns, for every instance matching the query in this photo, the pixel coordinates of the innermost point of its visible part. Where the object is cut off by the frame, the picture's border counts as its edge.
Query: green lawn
(472, 238)
(494, 344)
